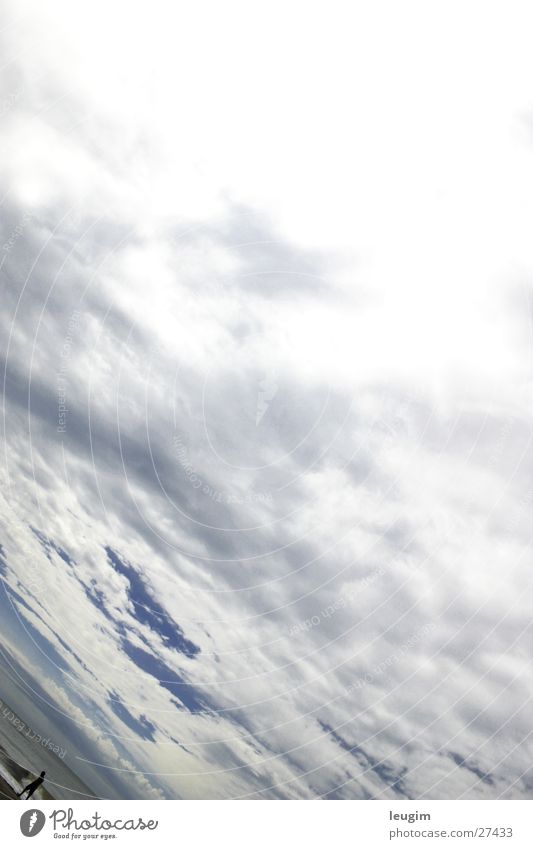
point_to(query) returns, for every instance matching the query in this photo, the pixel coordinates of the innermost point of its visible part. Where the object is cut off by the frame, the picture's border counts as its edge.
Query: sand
(6, 791)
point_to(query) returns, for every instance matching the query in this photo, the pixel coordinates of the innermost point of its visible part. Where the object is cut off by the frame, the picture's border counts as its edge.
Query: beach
(14, 777)
(6, 791)
(25, 753)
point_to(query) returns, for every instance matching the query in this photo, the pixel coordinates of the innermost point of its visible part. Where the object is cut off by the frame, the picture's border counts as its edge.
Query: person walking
(31, 788)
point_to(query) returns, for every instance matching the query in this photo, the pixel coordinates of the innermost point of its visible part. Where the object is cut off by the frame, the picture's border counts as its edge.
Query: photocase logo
(32, 822)
(268, 389)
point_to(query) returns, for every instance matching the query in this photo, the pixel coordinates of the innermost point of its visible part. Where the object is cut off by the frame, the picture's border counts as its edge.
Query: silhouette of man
(31, 788)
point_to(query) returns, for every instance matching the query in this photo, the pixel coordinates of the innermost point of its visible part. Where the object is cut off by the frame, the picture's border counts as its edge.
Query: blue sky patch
(187, 695)
(142, 726)
(148, 611)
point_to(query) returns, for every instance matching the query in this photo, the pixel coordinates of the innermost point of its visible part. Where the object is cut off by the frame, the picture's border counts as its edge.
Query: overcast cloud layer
(265, 347)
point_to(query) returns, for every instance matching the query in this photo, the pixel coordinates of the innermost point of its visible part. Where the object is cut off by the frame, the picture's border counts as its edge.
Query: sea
(24, 754)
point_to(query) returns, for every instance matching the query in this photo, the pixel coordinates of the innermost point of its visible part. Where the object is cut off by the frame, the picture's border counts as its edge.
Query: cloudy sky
(265, 348)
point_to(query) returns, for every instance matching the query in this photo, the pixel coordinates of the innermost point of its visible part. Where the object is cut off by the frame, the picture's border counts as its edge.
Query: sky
(265, 349)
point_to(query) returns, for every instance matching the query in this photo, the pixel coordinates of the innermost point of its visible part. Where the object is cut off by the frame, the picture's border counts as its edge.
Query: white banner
(263, 825)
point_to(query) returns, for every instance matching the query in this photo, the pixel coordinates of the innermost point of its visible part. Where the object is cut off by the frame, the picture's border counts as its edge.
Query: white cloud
(337, 213)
